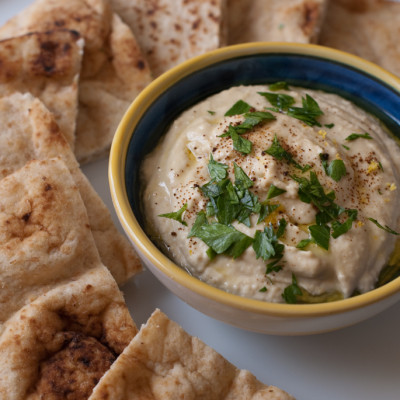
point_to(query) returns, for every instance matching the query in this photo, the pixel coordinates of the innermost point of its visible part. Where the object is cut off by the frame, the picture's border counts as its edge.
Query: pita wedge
(170, 32)
(367, 28)
(59, 346)
(45, 235)
(47, 65)
(113, 72)
(164, 362)
(275, 21)
(30, 132)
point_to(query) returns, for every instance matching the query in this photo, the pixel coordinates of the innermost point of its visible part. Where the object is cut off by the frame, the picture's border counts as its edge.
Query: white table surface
(361, 362)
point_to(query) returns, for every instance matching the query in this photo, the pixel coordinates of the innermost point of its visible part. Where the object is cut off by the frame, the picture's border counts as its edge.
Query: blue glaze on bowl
(305, 71)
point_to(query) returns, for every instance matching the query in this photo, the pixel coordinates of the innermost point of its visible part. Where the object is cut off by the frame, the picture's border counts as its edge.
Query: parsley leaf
(291, 292)
(177, 215)
(336, 170)
(216, 170)
(242, 181)
(252, 119)
(385, 228)
(329, 126)
(201, 220)
(304, 243)
(220, 237)
(279, 86)
(277, 151)
(274, 191)
(279, 100)
(355, 136)
(266, 244)
(211, 112)
(240, 107)
(308, 113)
(239, 143)
(320, 235)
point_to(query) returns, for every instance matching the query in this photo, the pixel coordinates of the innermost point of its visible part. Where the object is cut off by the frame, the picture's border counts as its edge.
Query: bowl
(311, 66)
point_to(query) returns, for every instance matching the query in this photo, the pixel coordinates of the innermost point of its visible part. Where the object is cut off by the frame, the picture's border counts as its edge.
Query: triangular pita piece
(164, 362)
(113, 68)
(59, 346)
(367, 28)
(30, 132)
(170, 32)
(275, 21)
(47, 65)
(45, 235)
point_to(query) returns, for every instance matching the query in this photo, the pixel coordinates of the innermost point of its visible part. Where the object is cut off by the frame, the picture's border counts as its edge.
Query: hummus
(295, 173)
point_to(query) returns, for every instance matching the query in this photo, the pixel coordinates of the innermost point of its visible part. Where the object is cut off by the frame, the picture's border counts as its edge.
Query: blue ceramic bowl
(150, 115)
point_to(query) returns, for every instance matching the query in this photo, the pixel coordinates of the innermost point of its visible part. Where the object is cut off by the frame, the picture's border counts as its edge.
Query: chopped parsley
(240, 107)
(217, 171)
(355, 136)
(274, 191)
(277, 151)
(291, 292)
(329, 126)
(336, 169)
(282, 85)
(385, 228)
(177, 215)
(211, 112)
(308, 113)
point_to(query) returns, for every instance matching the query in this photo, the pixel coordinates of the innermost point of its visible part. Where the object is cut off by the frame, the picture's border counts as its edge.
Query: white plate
(357, 363)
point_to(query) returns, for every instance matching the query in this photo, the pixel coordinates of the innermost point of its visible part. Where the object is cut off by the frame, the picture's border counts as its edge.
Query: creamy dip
(175, 171)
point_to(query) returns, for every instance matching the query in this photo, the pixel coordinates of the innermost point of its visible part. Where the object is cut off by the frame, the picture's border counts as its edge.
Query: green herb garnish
(279, 86)
(329, 126)
(385, 228)
(304, 243)
(291, 292)
(242, 181)
(221, 237)
(239, 143)
(217, 171)
(263, 289)
(278, 100)
(177, 215)
(336, 169)
(211, 112)
(277, 151)
(345, 147)
(274, 191)
(320, 235)
(355, 136)
(240, 107)
(308, 113)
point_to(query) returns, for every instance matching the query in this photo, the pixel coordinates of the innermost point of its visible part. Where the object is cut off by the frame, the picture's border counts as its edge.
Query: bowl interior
(309, 71)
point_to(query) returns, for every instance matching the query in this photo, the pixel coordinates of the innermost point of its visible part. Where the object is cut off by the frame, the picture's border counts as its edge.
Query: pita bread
(164, 362)
(275, 21)
(44, 233)
(60, 345)
(113, 68)
(47, 65)
(30, 132)
(367, 28)
(170, 32)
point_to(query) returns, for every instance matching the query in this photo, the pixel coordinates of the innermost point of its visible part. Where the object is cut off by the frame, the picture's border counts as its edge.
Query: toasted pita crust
(367, 28)
(113, 68)
(30, 132)
(164, 362)
(271, 20)
(60, 345)
(47, 65)
(170, 32)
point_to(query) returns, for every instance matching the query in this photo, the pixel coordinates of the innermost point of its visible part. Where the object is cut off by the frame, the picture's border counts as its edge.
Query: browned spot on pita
(311, 17)
(72, 372)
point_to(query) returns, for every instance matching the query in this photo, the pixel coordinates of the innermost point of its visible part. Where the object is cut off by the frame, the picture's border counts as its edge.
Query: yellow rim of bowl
(149, 250)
